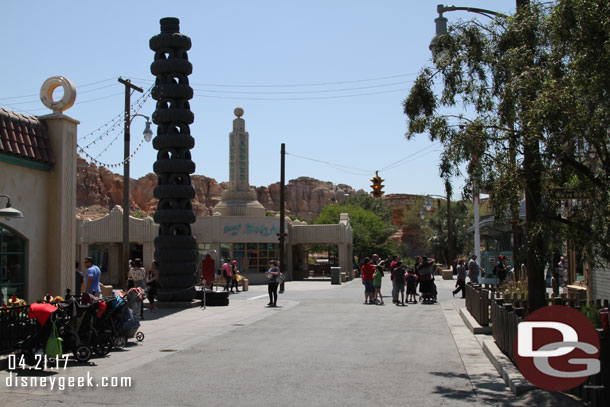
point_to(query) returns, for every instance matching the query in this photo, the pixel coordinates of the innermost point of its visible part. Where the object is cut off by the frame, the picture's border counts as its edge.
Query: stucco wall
(28, 189)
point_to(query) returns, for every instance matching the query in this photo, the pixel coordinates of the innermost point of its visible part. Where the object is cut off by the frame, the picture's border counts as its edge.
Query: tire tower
(175, 247)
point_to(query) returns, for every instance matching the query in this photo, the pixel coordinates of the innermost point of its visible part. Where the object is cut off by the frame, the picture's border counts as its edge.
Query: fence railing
(478, 302)
(14, 327)
(504, 320)
(506, 314)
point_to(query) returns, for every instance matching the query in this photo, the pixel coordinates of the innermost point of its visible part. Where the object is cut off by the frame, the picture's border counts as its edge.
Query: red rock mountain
(98, 190)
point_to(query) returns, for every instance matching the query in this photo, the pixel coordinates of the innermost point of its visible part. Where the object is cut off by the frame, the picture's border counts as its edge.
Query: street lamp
(428, 207)
(9, 212)
(441, 29)
(126, 159)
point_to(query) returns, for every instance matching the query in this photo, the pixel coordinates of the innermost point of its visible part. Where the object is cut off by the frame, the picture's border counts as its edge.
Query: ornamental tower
(239, 199)
(174, 247)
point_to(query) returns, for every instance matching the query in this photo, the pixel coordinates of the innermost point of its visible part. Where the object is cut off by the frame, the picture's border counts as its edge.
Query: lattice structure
(175, 246)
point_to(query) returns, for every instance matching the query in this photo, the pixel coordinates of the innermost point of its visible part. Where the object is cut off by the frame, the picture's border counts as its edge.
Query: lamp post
(428, 207)
(531, 163)
(441, 29)
(126, 159)
(8, 212)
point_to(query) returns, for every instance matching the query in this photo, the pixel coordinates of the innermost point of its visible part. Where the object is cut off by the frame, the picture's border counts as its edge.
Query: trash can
(335, 275)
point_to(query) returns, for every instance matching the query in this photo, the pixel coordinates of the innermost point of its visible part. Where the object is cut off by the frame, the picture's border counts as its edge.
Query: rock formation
(98, 189)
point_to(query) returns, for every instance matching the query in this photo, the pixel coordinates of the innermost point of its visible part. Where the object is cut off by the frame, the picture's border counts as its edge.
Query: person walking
(499, 270)
(137, 274)
(152, 281)
(399, 280)
(78, 280)
(460, 284)
(93, 277)
(474, 270)
(377, 276)
(272, 283)
(367, 272)
(234, 272)
(227, 275)
(393, 264)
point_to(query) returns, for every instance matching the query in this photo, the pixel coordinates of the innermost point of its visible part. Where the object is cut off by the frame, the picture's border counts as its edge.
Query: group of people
(230, 273)
(138, 276)
(372, 272)
(500, 270)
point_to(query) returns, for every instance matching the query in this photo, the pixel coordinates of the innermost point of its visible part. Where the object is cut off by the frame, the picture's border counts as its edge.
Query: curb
(511, 375)
(472, 323)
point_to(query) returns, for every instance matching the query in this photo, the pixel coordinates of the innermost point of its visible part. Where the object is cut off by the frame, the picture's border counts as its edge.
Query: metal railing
(15, 326)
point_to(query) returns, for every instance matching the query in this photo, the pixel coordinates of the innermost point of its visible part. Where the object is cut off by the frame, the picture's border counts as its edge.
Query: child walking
(411, 286)
(377, 276)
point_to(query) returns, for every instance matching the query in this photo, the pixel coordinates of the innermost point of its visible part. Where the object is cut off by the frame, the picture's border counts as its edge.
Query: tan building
(239, 230)
(38, 167)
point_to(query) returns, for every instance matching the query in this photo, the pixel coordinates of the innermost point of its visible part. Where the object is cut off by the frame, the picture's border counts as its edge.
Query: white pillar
(61, 213)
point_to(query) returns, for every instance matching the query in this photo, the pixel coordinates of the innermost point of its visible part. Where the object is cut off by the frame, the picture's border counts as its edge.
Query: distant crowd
(408, 280)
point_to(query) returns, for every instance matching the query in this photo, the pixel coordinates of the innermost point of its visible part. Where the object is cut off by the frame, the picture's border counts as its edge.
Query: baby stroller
(77, 330)
(121, 322)
(34, 344)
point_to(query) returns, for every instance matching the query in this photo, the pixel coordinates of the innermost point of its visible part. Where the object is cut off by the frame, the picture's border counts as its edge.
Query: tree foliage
(527, 95)
(460, 222)
(366, 201)
(370, 231)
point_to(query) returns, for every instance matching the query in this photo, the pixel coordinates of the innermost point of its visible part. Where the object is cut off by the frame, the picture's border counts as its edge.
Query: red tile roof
(25, 136)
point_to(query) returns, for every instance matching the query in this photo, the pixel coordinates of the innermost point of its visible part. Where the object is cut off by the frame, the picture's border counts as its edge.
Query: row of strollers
(86, 325)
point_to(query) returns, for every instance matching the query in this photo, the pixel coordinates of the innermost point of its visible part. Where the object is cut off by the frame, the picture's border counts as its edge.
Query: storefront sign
(249, 229)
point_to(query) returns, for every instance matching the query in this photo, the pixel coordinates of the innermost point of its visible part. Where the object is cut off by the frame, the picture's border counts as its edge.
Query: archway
(12, 264)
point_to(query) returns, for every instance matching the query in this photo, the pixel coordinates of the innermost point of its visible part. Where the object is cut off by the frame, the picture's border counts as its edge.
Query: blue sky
(325, 77)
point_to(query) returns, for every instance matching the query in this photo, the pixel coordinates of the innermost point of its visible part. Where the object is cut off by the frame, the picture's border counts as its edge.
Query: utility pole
(282, 209)
(125, 249)
(449, 226)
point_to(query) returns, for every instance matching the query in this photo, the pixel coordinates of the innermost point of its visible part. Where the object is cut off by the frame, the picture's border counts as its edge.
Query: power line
(306, 98)
(294, 85)
(334, 165)
(303, 91)
(361, 171)
(79, 86)
(397, 164)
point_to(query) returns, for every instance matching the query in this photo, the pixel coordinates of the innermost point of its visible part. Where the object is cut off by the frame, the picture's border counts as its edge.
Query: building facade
(38, 167)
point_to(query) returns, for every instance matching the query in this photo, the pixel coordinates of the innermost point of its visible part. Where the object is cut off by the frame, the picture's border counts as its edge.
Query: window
(12, 265)
(251, 257)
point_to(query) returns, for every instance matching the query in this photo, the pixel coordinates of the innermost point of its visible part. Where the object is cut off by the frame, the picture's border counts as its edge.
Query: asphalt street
(321, 347)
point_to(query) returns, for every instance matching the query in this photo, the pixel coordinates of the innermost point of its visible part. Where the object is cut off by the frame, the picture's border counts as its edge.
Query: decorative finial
(68, 98)
(239, 112)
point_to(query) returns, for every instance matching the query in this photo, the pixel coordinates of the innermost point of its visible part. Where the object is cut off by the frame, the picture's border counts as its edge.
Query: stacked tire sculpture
(175, 246)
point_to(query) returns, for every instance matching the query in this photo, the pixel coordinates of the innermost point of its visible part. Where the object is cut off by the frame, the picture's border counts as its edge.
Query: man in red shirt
(367, 279)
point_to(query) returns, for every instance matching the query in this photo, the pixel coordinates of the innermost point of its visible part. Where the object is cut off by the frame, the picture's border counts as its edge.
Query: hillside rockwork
(99, 190)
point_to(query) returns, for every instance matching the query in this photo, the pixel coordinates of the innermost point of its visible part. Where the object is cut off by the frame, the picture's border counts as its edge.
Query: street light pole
(428, 207)
(125, 247)
(282, 210)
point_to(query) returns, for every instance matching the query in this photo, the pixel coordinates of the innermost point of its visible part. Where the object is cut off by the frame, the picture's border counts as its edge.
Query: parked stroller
(427, 288)
(34, 344)
(120, 322)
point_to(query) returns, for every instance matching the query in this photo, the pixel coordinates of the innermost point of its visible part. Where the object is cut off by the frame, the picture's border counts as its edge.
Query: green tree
(535, 89)
(460, 222)
(366, 201)
(370, 232)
